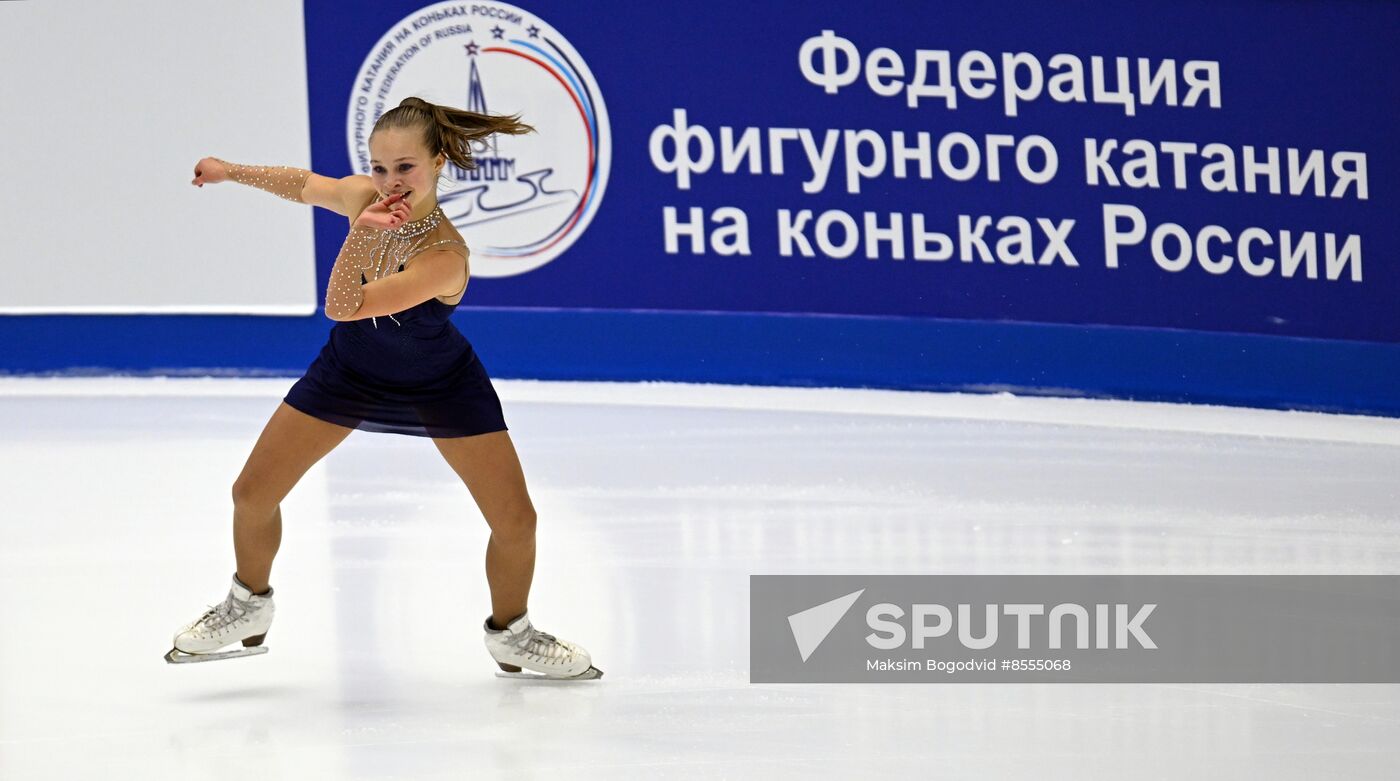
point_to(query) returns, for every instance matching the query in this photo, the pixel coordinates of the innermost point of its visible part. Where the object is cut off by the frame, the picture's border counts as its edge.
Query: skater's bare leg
(490, 467)
(255, 544)
(290, 444)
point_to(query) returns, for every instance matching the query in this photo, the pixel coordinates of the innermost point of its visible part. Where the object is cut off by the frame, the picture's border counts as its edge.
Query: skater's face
(399, 163)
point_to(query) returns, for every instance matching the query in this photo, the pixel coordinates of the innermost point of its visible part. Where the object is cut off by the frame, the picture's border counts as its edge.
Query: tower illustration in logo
(530, 197)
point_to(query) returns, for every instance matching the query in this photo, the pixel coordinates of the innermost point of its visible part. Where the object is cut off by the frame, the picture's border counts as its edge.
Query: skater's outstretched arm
(342, 196)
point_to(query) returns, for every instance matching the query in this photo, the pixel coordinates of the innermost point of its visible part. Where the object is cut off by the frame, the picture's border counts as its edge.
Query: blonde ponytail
(447, 130)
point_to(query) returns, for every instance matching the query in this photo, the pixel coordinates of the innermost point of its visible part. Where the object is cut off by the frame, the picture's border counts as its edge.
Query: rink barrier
(764, 349)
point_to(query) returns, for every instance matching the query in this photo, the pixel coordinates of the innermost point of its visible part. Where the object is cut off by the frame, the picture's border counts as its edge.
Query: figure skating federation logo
(531, 196)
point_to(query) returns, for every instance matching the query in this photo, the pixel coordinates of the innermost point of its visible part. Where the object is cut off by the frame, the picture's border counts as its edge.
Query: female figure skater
(414, 374)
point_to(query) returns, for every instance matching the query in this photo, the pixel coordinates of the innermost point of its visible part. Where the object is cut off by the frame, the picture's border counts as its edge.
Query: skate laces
(542, 645)
(225, 613)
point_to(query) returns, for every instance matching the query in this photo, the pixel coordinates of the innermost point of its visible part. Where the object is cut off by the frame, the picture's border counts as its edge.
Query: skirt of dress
(460, 402)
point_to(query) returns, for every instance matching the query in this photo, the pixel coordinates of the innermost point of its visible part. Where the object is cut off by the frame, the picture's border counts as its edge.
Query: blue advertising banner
(1202, 166)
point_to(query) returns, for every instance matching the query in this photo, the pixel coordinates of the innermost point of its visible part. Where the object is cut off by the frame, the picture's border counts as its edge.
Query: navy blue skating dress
(412, 373)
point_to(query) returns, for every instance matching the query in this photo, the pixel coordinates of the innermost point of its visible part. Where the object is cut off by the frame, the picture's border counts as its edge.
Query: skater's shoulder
(446, 235)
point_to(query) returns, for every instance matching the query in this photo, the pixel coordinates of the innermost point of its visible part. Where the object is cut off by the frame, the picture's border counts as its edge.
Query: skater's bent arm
(434, 273)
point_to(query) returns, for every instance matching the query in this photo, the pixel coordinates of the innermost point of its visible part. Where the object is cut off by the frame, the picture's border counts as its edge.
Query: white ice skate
(544, 655)
(242, 615)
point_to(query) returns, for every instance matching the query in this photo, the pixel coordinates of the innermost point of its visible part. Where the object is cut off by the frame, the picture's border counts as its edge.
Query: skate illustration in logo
(531, 196)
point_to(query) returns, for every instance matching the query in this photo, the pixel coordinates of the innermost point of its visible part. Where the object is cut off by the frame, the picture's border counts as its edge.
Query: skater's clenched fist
(210, 170)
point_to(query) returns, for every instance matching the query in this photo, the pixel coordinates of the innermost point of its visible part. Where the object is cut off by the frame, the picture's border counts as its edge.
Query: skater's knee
(250, 496)
(514, 524)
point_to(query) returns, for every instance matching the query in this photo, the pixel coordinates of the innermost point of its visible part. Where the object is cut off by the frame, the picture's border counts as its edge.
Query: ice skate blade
(591, 674)
(176, 656)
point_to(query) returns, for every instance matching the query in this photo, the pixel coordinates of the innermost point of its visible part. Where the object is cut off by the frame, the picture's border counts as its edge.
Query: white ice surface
(656, 502)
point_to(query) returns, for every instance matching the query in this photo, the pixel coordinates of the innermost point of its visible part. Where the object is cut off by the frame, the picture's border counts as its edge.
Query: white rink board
(106, 108)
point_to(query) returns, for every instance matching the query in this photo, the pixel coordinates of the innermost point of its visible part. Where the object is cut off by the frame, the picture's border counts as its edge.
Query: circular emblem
(530, 196)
